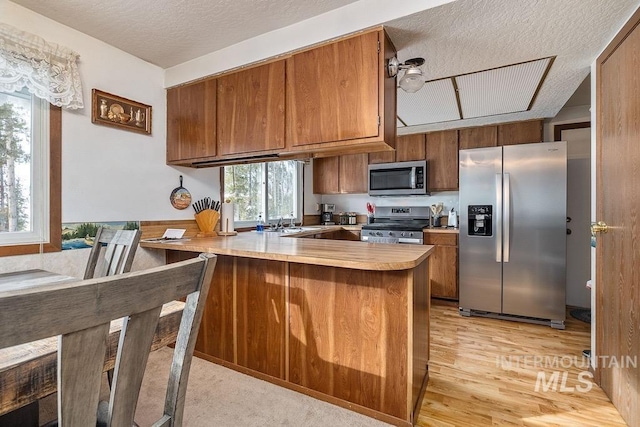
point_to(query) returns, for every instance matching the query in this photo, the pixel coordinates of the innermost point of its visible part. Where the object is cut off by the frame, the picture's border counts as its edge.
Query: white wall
(578, 114)
(110, 174)
(358, 202)
(310, 199)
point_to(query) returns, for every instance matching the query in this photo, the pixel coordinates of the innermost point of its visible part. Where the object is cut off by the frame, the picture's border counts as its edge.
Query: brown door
(618, 205)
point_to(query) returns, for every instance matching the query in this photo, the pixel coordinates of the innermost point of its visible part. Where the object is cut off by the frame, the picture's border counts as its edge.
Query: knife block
(207, 220)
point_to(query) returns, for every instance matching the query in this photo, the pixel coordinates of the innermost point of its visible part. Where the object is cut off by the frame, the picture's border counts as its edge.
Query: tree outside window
(15, 156)
(272, 190)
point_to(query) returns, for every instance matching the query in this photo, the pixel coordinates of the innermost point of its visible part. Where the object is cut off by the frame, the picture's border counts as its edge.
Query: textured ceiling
(166, 32)
(462, 36)
(473, 35)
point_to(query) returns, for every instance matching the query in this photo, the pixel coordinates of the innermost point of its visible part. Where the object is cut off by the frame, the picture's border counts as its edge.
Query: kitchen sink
(299, 230)
(293, 230)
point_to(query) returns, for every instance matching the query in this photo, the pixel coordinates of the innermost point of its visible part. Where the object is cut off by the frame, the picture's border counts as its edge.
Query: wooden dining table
(28, 372)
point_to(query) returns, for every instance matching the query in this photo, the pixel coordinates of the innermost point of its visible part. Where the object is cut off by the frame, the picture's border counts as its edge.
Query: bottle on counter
(260, 224)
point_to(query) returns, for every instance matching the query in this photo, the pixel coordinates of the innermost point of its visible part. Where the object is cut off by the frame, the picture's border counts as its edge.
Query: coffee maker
(326, 217)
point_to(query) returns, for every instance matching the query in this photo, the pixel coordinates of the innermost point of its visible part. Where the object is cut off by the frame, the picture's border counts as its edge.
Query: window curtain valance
(47, 70)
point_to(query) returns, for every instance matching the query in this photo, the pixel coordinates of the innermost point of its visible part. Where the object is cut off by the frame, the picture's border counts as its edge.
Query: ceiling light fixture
(412, 80)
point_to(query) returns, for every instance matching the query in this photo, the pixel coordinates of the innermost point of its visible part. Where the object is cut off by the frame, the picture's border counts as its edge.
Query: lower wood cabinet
(355, 338)
(256, 305)
(353, 235)
(443, 264)
(260, 305)
(343, 322)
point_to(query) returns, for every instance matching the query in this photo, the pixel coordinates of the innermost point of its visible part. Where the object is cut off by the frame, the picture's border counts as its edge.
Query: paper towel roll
(226, 218)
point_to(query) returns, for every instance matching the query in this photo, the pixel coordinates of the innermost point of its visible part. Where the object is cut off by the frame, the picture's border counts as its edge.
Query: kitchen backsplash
(358, 202)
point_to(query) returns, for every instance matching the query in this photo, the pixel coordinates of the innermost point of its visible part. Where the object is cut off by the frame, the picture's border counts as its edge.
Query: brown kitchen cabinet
(260, 307)
(326, 171)
(478, 137)
(383, 156)
(251, 110)
(442, 160)
(191, 122)
(352, 235)
(339, 95)
(340, 174)
(237, 326)
(520, 132)
(215, 336)
(443, 264)
(408, 148)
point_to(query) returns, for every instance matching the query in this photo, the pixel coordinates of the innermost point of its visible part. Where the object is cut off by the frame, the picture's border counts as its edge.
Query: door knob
(599, 227)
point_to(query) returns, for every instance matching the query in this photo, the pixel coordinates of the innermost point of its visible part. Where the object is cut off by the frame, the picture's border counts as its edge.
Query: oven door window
(390, 179)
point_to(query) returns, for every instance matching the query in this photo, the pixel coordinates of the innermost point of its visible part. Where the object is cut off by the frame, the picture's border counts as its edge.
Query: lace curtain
(47, 70)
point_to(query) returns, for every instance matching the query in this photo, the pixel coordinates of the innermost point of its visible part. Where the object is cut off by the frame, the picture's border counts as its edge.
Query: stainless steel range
(397, 225)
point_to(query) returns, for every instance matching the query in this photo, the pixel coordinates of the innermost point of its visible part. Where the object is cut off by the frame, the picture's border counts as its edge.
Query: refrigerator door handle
(498, 222)
(507, 215)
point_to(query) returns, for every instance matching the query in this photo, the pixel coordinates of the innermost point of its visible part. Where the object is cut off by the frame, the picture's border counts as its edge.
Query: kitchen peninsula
(342, 321)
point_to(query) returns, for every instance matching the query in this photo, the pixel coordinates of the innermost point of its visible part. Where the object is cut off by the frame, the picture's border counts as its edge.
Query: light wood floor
(471, 384)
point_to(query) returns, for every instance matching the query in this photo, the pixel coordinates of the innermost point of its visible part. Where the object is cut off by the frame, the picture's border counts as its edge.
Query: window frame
(299, 218)
(54, 243)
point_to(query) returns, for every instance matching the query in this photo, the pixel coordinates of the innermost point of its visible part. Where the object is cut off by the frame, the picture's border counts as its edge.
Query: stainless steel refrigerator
(512, 243)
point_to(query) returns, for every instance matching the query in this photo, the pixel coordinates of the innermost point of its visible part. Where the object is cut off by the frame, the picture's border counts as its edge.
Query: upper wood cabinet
(339, 95)
(442, 160)
(340, 174)
(191, 122)
(353, 173)
(251, 110)
(326, 171)
(478, 137)
(520, 132)
(408, 148)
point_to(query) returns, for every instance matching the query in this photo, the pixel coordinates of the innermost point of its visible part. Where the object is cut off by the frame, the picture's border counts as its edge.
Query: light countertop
(327, 252)
(441, 230)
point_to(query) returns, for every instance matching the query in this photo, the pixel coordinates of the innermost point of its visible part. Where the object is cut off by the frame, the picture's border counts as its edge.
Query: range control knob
(402, 234)
(391, 233)
(378, 233)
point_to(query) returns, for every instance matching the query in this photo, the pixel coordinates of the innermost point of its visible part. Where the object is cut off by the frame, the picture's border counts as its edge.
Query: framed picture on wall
(112, 110)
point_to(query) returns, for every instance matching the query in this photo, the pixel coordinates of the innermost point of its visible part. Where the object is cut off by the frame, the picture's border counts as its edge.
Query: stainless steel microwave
(398, 179)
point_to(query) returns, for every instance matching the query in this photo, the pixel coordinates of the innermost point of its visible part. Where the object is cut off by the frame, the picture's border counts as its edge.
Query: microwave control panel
(419, 177)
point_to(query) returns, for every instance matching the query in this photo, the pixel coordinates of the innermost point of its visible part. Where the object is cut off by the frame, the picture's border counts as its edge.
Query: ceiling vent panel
(501, 90)
(435, 102)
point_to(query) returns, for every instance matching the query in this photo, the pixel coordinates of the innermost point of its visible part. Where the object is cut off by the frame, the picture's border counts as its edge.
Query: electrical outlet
(317, 207)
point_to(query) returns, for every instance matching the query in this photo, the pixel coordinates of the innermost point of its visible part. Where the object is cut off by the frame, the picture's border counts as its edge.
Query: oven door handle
(413, 177)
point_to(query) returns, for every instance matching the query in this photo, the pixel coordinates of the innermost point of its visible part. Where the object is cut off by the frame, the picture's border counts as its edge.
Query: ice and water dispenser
(480, 220)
